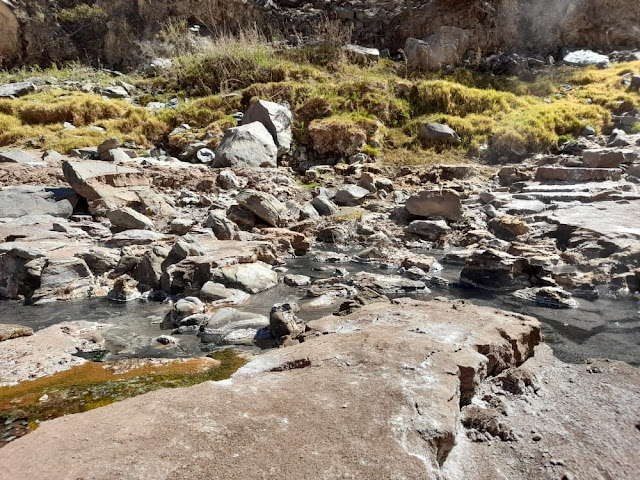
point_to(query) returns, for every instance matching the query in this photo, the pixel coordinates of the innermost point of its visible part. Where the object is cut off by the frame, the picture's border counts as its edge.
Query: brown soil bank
(114, 32)
(407, 390)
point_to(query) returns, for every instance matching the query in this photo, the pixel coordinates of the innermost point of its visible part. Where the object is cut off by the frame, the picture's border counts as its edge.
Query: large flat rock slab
(379, 398)
(20, 201)
(89, 178)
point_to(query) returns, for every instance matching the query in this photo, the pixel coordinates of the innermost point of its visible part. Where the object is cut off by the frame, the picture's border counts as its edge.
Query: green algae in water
(94, 385)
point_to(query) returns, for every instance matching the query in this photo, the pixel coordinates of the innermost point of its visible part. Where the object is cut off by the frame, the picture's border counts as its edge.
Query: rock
(510, 174)
(114, 92)
(18, 89)
(227, 180)
(17, 156)
(283, 322)
(432, 230)
(249, 145)
(494, 270)
(333, 376)
(440, 49)
(618, 138)
(308, 212)
(264, 206)
(584, 58)
(10, 331)
(350, 195)
(388, 284)
(508, 228)
(181, 226)
(16, 202)
(167, 340)
(324, 206)
(126, 218)
(435, 203)
(229, 325)
(52, 156)
(64, 278)
(364, 53)
(288, 241)
(223, 228)
(297, 280)
(606, 157)
(276, 118)
(554, 297)
(135, 237)
(430, 132)
(250, 277)
(205, 155)
(93, 179)
(148, 272)
(576, 174)
(218, 294)
(635, 82)
(100, 260)
(105, 147)
(423, 262)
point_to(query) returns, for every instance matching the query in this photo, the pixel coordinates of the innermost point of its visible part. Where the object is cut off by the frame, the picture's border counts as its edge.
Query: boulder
(606, 157)
(435, 203)
(227, 180)
(249, 145)
(584, 58)
(432, 230)
(181, 226)
(17, 156)
(297, 280)
(507, 227)
(437, 132)
(495, 270)
(264, 206)
(324, 206)
(231, 326)
(223, 228)
(64, 278)
(553, 297)
(16, 202)
(285, 326)
(126, 218)
(250, 277)
(18, 89)
(577, 174)
(446, 47)
(276, 118)
(351, 195)
(218, 294)
(90, 179)
(105, 147)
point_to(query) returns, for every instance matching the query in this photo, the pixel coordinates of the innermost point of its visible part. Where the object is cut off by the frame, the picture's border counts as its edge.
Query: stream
(605, 327)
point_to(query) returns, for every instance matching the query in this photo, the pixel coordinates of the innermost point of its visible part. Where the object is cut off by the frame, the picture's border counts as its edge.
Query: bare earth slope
(377, 394)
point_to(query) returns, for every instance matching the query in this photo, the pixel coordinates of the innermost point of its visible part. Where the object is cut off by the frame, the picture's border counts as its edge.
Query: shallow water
(605, 327)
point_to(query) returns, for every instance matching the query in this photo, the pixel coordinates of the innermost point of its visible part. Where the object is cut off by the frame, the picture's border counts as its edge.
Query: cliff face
(111, 31)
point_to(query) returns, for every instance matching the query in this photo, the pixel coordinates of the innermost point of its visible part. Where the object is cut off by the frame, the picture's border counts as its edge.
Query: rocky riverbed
(118, 253)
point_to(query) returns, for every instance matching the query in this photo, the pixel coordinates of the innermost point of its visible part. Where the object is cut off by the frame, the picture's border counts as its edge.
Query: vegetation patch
(92, 385)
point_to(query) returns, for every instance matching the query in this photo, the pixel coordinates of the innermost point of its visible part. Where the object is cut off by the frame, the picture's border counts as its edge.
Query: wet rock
(493, 269)
(584, 58)
(285, 326)
(10, 331)
(432, 230)
(224, 324)
(350, 195)
(554, 297)
(388, 284)
(443, 48)
(276, 118)
(249, 145)
(430, 132)
(250, 277)
(264, 206)
(64, 278)
(223, 228)
(435, 203)
(186, 307)
(126, 218)
(218, 294)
